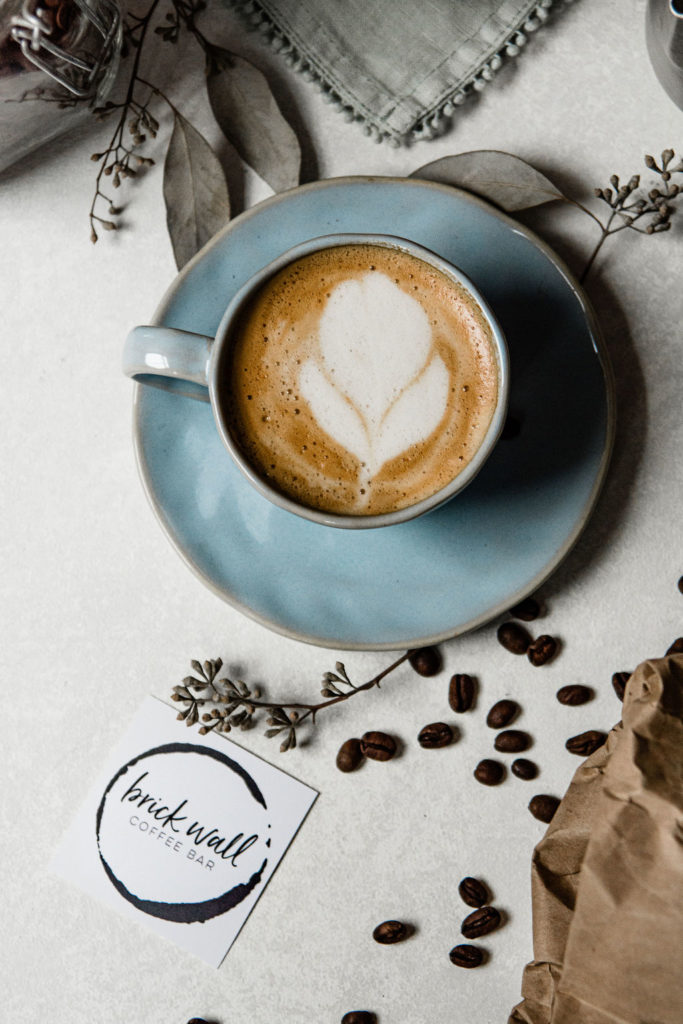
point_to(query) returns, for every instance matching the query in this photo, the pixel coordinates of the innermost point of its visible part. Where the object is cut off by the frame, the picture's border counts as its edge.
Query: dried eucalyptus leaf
(249, 117)
(195, 192)
(503, 179)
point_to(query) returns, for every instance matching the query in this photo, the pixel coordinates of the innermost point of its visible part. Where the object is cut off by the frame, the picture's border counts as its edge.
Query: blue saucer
(455, 568)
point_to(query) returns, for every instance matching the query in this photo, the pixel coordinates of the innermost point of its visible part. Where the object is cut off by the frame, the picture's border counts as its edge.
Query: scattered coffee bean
(349, 756)
(680, 584)
(466, 956)
(586, 742)
(378, 746)
(389, 932)
(524, 769)
(426, 661)
(512, 741)
(619, 681)
(513, 637)
(461, 693)
(502, 713)
(542, 650)
(489, 773)
(543, 807)
(437, 734)
(574, 695)
(527, 610)
(473, 892)
(197, 1020)
(481, 922)
(676, 646)
(359, 1017)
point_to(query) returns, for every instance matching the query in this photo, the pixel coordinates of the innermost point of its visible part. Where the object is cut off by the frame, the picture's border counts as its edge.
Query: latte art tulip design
(362, 380)
(378, 386)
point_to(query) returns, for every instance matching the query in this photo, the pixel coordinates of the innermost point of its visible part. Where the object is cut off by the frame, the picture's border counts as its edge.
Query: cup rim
(348, 520)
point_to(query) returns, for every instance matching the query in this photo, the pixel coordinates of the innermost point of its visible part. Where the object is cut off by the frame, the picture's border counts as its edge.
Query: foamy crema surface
(361, 380)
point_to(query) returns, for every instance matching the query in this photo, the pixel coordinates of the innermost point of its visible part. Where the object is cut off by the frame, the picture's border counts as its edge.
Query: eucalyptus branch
(628, 207)
(186, 11)
(117, 157)
(233, 704)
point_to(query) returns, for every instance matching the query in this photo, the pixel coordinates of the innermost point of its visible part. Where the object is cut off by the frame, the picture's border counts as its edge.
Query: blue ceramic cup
(191, 365)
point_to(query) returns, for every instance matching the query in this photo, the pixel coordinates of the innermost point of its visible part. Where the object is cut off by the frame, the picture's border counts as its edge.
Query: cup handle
(170, 359)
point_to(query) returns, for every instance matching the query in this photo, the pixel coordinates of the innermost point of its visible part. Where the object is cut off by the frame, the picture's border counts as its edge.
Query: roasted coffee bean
(619, 681)
(574, 695)
(513, 637)
(197, 1020)
(389, 932)
(527, 610)
(426, 661)
(466, 956)
(489, 773)
(586, 742)
(512, 741)
(359, 1017)
(524, 769)
(543, 806)
(481, 922)
(502, 713)
(680, 584)
(542, 650)
(349, 756)
(473, 892)
(461, 692)
(437, 734)
(378, 746)
(676, 646)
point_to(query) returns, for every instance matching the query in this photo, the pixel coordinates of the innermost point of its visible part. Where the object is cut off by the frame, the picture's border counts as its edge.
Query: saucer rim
(563, 551)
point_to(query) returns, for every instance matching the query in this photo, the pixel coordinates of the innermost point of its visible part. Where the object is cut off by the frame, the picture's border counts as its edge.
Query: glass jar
(58, 58)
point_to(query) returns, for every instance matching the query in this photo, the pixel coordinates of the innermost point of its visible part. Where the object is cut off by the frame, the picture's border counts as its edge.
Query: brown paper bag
(607, 877)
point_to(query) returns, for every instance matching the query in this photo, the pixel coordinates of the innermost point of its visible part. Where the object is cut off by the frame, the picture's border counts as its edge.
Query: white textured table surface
(97, 609)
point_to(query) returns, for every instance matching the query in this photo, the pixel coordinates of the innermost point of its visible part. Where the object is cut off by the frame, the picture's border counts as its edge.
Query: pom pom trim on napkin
(431, 120)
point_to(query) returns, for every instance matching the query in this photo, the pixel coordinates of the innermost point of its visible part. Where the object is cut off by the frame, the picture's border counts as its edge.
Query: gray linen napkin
(400, 67)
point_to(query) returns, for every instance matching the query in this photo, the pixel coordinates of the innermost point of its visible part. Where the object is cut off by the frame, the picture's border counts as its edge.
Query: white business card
(182, 832)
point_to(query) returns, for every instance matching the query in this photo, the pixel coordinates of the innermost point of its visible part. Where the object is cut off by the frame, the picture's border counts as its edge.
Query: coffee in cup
(357, 380)
(360, 379)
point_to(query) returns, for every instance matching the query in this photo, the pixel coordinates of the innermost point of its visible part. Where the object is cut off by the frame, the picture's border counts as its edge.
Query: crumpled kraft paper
(607, 877)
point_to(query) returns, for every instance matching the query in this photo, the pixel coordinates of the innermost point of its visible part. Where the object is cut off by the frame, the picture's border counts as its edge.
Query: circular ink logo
(183, 832)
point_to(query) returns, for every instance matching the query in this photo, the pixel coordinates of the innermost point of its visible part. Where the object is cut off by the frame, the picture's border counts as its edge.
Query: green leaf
(195, 191)
(506, 180)
(249, 117)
